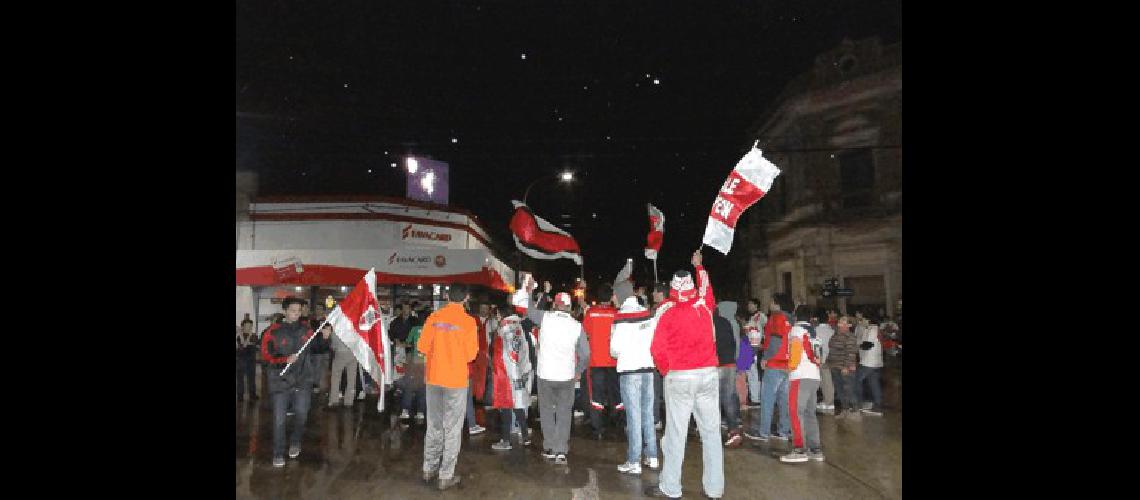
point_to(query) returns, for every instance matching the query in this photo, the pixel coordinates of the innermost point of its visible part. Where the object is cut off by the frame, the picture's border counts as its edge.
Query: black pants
(246, 369)
(604, 392)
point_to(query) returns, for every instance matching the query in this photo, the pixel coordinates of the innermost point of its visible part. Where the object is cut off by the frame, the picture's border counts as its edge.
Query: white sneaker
(476, 429)
(659, 425)
(652, 463)
(419, 417)
(629, 468)
(578, 414)
(796, 456)
(404, 415)
(360, 397)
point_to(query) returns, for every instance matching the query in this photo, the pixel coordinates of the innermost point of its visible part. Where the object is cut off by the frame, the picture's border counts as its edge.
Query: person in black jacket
(280, 345)
(402, 324)
(726, 345)
(247, 347)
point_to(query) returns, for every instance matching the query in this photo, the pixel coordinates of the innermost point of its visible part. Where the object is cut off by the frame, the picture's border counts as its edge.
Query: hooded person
(630, 342)
(684, 351)
(727, 351)
(510, 363)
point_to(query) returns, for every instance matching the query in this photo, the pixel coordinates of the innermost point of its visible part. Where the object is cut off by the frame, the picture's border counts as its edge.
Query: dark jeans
(299, 400)
(246, 369)
(414, 395)
(505, 422)
(844, 390)
(871, 375)
(604, 392)
(658, 392)
(729, 400)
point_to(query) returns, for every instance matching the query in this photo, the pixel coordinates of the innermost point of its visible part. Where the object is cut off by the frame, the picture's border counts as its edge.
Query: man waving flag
(357, 323)
(747, 183)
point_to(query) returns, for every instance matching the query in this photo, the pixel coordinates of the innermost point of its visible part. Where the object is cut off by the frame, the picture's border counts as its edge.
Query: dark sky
(326, 91)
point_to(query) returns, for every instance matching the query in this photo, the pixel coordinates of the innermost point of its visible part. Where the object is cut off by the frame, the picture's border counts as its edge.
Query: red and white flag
(656, 232)
(356, 322)
(540, 239)
(749, 181)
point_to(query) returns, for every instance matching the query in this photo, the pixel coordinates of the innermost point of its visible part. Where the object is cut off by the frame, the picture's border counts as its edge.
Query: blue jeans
(299, 398)
(774, 390)
(867, 373)
(637, 396)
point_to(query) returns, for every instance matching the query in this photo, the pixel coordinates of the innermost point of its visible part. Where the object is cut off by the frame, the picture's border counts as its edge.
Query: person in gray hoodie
(726, 370)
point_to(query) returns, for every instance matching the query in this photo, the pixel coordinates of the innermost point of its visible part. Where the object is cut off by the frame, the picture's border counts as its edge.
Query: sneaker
(578, 414)
(560, 459)
(755, 437)
(548, 454)
(723, 426)
(294, 451)
(289, 413)
(528, 440)
(278, 462)
(873, 413)
(476, 429)
(734, 440)
(447, 483)
(796, 456)
(419, 417)
(404, 415)
(360, 397)
(501, 445)
(316, 390)
(867, 405)
(655, 492)
(652, 463)
(779, 437)
(659, 425)
(816, 455)
(629, 468)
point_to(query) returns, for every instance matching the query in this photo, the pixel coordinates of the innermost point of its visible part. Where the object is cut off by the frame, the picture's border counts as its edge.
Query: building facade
(836, 209)
(317, 247)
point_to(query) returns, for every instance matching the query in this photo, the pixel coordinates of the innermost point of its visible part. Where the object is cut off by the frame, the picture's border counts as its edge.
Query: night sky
(644, 101)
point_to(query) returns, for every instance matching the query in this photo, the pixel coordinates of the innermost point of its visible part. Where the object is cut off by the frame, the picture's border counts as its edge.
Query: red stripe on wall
(316, 274)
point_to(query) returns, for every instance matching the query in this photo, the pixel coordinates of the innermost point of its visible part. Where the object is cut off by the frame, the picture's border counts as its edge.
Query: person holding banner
(280, 344)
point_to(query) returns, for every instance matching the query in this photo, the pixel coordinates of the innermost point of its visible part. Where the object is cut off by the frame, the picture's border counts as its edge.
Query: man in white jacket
(629, 344)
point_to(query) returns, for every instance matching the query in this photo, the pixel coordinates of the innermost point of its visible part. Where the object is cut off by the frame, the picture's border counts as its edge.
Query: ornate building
(836, 209)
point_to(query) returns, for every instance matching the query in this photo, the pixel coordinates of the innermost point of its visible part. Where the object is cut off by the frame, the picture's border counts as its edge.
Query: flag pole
(655, 271)
(315, 333)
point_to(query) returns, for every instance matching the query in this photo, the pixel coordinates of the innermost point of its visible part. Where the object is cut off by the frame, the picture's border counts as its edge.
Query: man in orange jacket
(448, 343)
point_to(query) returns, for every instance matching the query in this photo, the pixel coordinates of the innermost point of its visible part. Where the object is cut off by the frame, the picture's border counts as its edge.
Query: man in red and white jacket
(684, 351)
(803, 376)
(602, 382)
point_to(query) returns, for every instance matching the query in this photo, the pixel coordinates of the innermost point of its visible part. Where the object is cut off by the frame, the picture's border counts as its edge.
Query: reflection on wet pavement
(359, 453)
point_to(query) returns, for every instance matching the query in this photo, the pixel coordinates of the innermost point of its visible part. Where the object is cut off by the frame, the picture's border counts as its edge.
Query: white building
(314, 247)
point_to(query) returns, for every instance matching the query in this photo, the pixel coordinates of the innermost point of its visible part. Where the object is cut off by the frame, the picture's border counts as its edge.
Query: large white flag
(749, 181)
(356, 322)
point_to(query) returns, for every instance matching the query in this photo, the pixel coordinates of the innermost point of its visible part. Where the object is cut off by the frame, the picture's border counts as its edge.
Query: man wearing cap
(562, 354)
(684, 351)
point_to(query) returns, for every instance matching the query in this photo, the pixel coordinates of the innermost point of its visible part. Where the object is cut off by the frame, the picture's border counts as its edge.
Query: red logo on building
(392, 258)
(418, 234)
(440, 261)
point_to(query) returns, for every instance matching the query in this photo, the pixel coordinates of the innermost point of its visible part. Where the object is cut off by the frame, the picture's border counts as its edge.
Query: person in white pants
(344, 364)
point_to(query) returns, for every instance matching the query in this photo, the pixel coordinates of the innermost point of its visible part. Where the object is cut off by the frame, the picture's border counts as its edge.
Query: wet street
(359, 453)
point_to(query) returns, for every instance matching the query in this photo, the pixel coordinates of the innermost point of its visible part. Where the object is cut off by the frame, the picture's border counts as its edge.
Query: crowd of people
(623, 361)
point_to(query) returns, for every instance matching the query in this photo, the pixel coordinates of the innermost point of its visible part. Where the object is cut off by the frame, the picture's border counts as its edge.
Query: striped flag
(356, 322)
(747, 183)
(540, 239)
(656, 232)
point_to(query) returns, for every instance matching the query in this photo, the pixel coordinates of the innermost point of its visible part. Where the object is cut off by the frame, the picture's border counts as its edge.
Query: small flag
(656, 232)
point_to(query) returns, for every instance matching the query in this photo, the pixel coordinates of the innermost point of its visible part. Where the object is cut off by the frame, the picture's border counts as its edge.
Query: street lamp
(566, 176)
